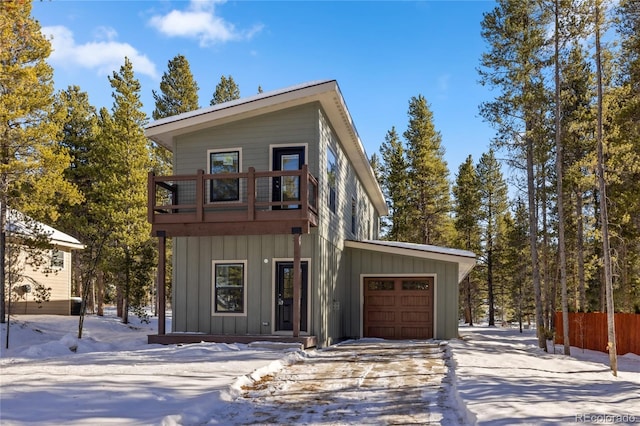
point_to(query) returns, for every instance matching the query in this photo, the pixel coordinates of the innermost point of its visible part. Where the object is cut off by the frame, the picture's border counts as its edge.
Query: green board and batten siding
(193, 281)
(193, 256)
(371, 263)
(293, 126)
(329, 289)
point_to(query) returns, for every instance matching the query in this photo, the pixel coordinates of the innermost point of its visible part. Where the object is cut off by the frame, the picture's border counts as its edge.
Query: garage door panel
(415, 317)
(381, 316)
(398, 308)
(374, 301)
(408, 300)
(415, 333)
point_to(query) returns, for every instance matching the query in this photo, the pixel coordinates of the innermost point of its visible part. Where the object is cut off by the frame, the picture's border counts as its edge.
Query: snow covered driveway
(357, 382)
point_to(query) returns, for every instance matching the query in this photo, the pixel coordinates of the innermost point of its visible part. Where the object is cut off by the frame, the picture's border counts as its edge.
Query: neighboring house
(268, 182)
(53, 273)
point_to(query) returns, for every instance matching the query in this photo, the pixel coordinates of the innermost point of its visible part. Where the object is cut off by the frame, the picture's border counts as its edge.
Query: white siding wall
(59, 280)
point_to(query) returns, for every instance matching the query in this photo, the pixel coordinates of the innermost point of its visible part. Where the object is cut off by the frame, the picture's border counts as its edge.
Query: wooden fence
(589, 331)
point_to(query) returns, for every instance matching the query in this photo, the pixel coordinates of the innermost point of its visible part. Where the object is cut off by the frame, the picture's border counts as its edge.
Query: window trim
(214, 312)
(209, 197)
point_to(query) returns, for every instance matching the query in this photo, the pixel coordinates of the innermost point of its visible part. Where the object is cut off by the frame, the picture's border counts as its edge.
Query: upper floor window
(224, 162)
(57, 259)
(332, 174)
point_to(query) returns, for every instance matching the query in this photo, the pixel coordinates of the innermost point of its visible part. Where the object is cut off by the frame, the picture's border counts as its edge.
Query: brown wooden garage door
(398, 308)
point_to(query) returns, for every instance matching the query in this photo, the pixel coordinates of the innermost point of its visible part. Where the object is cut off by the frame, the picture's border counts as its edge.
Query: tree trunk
(580, 253)
(119, 301)
(469, 302)
(100, 293)
(559, 184)
(490, 292)
(546, 281)
(604, 216)
(3, 248)
(533, 242)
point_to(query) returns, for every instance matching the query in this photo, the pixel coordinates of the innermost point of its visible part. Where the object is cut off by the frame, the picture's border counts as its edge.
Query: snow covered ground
(112, 376)
(504, 379)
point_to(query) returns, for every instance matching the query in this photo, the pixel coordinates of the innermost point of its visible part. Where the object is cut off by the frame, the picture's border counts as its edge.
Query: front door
(287, 188)
(284, 296)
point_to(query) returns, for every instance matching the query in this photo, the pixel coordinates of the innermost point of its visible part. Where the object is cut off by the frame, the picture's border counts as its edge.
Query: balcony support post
(151, 196)
(162, 273)
(297, 280)
(304, 189)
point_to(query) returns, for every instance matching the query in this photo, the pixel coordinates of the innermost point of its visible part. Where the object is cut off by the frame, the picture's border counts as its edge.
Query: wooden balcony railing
(269, 202)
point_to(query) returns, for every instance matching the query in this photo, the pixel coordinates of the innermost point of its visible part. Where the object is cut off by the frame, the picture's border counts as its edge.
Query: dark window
(332, 175)
(229, 287)
(224, 189)
(422, 284)
(57, 259)
(380, 284)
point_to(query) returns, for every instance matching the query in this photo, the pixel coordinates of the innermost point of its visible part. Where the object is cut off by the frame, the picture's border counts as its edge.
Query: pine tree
(624, 160)
(178, 94)
(466, 193)
(516, 33)
(31, 163)
(579, 148)
(493, 206)
(602, 190)
(395, 180)
(428, 177)
(515, 268)
(124, 154)
(178, 90)
(80, 136)
(227, 90)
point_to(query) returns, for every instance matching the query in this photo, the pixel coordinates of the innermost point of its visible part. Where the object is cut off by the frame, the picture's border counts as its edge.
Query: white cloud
(200, 22)
(103, 55)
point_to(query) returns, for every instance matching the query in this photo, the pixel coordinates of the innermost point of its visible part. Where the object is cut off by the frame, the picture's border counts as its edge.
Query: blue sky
(381, 54)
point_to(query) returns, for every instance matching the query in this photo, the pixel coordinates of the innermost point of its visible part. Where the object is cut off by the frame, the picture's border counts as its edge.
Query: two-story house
(274, 213)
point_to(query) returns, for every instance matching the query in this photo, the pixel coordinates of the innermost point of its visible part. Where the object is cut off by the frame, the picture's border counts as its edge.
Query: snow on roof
(466, 260)
(17, 224)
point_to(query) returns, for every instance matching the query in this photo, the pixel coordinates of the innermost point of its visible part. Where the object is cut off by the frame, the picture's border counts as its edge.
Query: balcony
(251, 203)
